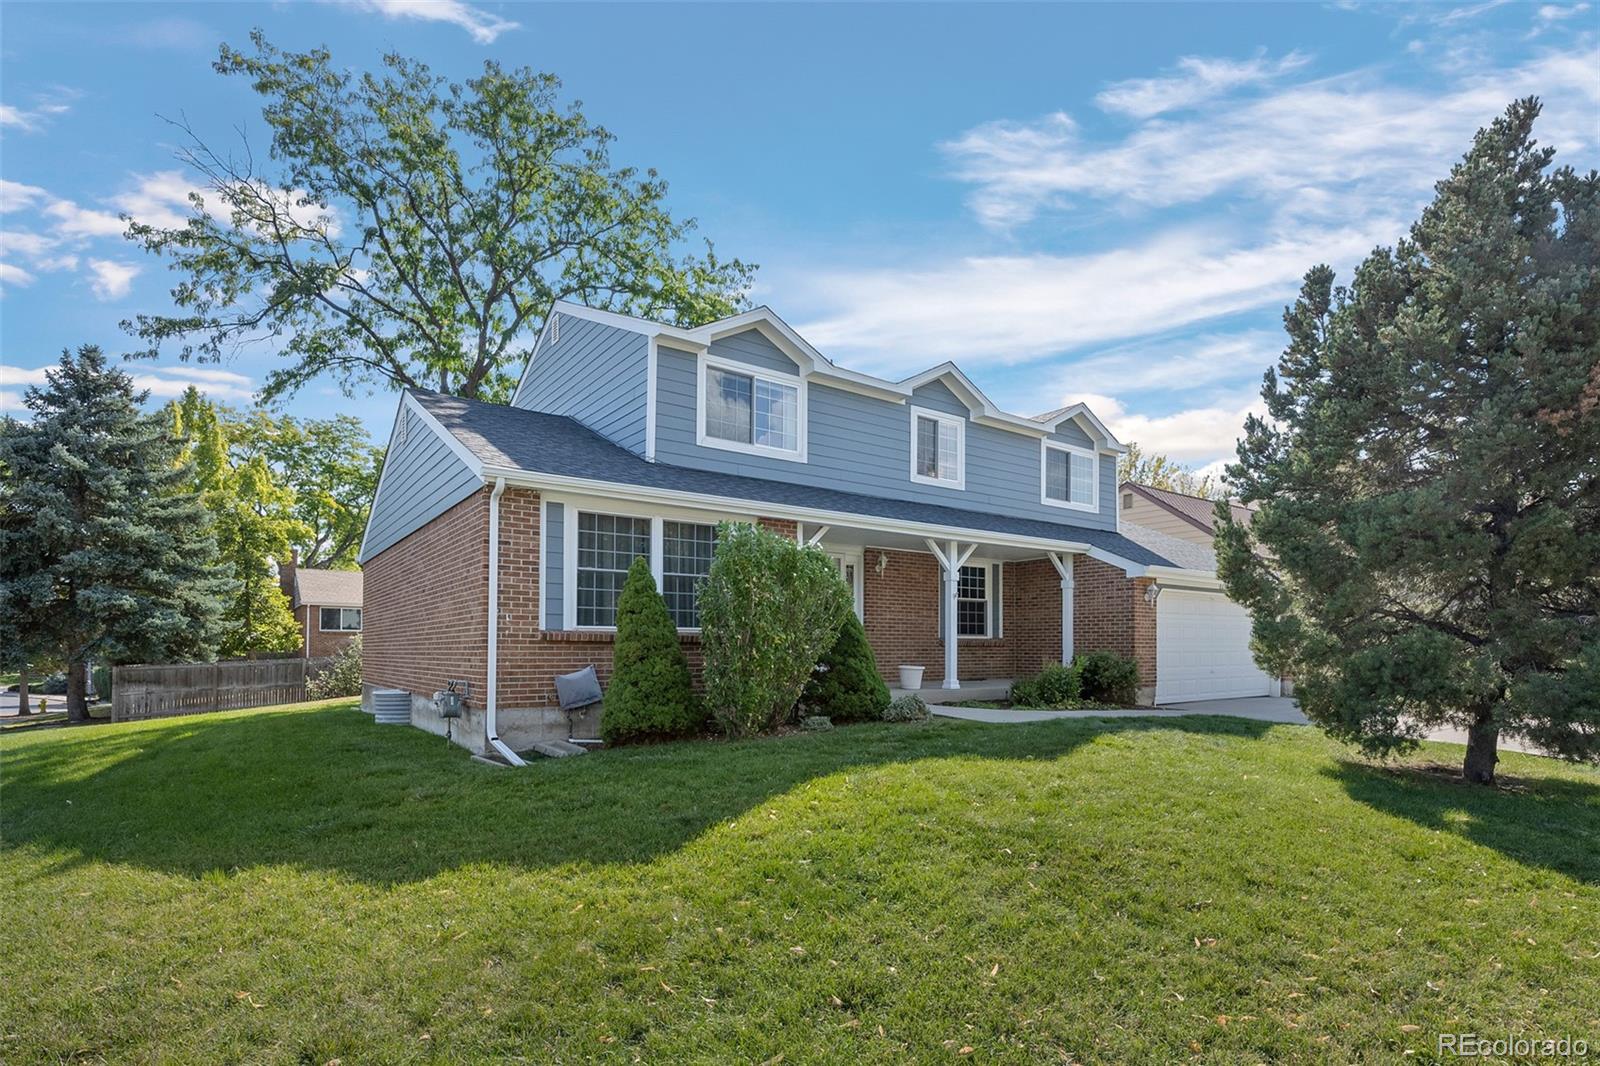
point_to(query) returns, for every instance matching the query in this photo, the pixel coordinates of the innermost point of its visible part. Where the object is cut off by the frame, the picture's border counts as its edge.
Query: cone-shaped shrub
(845, 685)
(650, 697)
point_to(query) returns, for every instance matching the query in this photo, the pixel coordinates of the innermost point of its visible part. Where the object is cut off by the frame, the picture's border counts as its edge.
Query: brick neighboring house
(326, 603)
(978, 544)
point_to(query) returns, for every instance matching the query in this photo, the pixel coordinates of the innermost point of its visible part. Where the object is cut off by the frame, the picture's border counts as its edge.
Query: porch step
(969, 690)
(558, 749)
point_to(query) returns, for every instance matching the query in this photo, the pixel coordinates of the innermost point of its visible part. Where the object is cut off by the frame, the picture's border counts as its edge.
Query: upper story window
(1069, 477)
(938, 449)
(745, 409)
(340, 620)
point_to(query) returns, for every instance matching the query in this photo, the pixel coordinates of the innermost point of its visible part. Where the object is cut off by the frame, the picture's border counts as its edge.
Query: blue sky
(1110, 203)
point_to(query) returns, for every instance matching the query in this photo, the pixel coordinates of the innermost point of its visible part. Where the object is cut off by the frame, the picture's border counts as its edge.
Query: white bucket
(911, 678)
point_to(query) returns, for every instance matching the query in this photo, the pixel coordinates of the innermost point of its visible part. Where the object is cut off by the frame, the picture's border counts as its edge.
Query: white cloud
(1198, 78)
(1010, 309)
(483, 26)
(75, 221)
(14, 275)
(162, 382)
(10, 402)
(10, 116)
(1347, 139)
(163, 199)
(111, 280)
(1196, 435)
(16, 375)
(1187, 363)
(46, 106)
(15, 196)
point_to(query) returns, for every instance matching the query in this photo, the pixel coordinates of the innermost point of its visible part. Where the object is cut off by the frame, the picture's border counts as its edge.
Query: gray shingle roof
(1184, 553)
(505, 436)
(331, 588)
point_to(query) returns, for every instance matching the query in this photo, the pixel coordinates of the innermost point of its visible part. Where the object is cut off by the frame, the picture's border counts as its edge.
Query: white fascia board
(1080, 413)
(1178, 577)
(621, 321)
(461, 451)
(528, 479)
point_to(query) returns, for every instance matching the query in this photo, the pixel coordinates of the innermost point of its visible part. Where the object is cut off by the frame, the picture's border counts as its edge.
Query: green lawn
(303, 885)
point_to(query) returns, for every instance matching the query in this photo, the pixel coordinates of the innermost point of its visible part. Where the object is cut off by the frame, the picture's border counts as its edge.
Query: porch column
(951, 558)
(1063, 564)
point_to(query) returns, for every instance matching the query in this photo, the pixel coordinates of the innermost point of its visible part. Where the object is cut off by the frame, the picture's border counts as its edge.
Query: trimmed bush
(1107, 677)
(845, 685)
(651, 696)
(907, 708)
(1056, 686)
(768, 610)
(342, 676)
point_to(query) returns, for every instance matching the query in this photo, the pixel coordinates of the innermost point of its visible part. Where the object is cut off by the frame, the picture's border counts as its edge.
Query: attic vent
(400, 429)
(555, 329)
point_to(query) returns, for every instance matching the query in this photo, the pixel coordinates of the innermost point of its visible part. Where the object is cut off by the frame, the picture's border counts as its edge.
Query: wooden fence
(197, 688)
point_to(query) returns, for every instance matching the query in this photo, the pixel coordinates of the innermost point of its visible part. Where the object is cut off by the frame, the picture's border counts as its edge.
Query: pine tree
(105, 550)
(845, 685)
(1429, 474)
(651, 695)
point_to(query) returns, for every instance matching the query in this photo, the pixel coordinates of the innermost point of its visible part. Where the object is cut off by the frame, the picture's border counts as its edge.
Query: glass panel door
(849, 565)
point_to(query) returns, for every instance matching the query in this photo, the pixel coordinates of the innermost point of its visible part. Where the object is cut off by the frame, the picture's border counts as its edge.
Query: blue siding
(753, 349)
(553, 533)
(859, 444)
(936, 396)
(422, 478)
(595, 373)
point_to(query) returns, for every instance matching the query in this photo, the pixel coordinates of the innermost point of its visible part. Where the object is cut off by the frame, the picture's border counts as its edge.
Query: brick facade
(901, 608)
(308, 617)
(426, 614)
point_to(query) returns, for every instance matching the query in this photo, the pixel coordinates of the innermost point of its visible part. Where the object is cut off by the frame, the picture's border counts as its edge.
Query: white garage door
(1203, 649)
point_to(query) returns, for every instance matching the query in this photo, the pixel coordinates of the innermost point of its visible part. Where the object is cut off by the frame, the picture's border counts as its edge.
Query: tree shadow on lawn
(328, 789)
(1553, 822)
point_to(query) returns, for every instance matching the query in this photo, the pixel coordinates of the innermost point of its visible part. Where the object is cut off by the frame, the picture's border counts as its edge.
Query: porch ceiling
(859, 538)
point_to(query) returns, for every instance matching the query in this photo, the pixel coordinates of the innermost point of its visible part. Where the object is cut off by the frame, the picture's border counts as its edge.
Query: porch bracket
(816, 538)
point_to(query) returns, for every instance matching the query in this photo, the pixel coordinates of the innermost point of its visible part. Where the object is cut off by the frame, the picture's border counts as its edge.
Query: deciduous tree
(414, 231)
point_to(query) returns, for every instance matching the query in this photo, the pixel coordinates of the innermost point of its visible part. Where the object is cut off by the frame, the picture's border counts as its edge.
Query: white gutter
(491, 704)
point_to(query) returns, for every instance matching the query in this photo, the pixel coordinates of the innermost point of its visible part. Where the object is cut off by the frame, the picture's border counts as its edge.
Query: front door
(849, 564)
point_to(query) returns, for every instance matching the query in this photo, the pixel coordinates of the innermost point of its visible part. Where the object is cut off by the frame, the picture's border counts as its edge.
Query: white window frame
(793, 381)
(960, 424)
(340, 629)
(989, 612)
(571, 505)
(1046, 446)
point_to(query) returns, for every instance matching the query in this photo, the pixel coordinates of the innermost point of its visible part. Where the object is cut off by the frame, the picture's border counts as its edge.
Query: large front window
(972, 602)
(1069, 477)
(607, 546)
(752, 410)
(686, 551)
(937, 443)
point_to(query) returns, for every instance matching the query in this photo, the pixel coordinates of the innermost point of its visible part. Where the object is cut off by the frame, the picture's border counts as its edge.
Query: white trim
(652, 369)
(754, 373)
(1080, 411)
(1045, 447)
(616, 490)
(855, 557)
(990, 608)
(336, 607)
(461, 451)
(959, 483)
(609, 505)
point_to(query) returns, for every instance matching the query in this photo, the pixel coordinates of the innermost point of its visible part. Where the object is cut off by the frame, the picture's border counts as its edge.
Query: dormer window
(1069, 477)
(745, 409)
(938, 449)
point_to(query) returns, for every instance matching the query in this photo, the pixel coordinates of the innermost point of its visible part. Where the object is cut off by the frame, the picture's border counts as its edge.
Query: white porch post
(951, 558)
(1063, 565)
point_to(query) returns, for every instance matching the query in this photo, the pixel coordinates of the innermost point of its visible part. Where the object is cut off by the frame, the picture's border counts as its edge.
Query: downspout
(491, 702)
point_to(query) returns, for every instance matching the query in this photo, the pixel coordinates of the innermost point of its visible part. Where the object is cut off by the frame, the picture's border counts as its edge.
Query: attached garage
(1203, 649)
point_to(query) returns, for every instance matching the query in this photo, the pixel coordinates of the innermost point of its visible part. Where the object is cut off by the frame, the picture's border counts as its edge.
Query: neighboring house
(978, 544)
(326, 603)
(1191, 518)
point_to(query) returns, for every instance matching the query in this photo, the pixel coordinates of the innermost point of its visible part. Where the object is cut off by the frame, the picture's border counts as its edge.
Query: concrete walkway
(1281, 709)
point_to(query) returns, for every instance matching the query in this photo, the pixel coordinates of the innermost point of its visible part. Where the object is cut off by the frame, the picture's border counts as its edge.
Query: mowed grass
(304, 885)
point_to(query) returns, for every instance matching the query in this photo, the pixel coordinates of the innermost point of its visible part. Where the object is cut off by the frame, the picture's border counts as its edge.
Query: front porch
(975, 615)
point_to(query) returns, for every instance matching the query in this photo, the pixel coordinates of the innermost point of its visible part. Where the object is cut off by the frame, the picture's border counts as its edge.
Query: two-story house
(978, 544)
